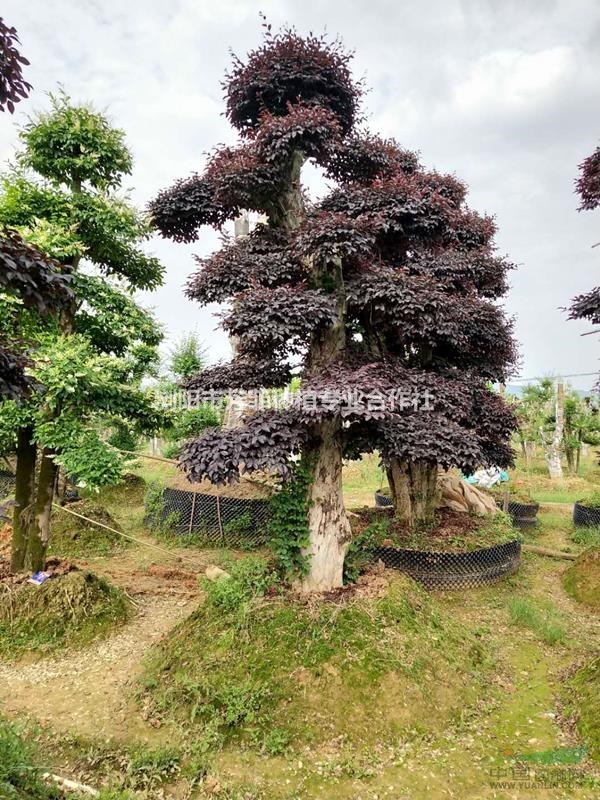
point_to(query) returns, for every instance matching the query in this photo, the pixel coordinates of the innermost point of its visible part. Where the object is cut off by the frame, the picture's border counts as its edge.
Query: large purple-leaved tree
(587, 306)
(382, 298)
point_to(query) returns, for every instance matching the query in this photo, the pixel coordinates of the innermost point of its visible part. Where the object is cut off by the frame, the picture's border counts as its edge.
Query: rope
(145, 455)
(119, 533)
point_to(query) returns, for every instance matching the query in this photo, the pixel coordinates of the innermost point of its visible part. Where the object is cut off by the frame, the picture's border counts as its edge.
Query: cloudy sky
(505, 93)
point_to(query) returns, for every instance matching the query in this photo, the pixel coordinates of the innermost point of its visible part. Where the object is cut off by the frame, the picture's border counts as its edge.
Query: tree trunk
(569, 455)
(552, 448)
(397, 474)
(24, 495)
(329, 529)
(529, 453)
(39, 525)
(414, 490)
(61, 486)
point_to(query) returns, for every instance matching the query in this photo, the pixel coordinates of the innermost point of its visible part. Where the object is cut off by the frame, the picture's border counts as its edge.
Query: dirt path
(88, 692)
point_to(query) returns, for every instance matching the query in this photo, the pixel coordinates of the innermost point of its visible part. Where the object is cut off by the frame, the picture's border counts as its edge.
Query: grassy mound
(585, 705)
(582, 579)
(73, 537)
(271, 670)
(69, 609)
(451, 531)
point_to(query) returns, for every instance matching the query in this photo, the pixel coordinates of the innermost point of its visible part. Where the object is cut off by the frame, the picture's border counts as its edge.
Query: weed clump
(540, 617)
(20, 773)
(67, 610)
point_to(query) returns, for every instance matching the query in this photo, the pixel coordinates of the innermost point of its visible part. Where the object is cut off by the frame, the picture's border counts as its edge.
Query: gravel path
(89, 691)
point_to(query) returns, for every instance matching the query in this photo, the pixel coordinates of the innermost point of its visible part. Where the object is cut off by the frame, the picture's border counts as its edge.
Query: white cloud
(512, 81)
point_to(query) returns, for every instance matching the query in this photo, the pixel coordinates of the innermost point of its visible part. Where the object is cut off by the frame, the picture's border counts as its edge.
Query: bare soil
(90, 691)
(246, 489)
(449, 532)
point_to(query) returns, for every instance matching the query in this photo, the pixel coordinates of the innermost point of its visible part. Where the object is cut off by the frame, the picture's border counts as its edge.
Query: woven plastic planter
(220, 521)
(7, 483)
(585, 516)
(458, 570)
(382, 500)
(523, 515)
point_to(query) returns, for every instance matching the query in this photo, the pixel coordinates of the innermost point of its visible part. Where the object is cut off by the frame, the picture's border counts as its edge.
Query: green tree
(534, 415)
(582, 426)
(88, 360)
(187, 357)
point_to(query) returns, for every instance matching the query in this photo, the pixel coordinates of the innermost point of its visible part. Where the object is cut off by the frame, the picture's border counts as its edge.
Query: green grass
(583, 698)
(69, 610)
(21, 771)
(20, 778)
(541, 618)
(263, 668)
(586, 536)
(73, 537)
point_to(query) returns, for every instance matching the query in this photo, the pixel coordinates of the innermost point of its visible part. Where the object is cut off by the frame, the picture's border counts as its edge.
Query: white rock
(214, 573)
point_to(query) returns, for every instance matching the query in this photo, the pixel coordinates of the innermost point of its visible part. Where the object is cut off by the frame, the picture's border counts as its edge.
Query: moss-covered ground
(240, 692)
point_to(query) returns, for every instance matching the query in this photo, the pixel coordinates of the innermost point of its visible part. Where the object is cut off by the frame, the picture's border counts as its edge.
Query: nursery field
(192, 689)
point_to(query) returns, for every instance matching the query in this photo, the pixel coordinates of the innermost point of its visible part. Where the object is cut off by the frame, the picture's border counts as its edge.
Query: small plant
(239, 526)
(160, 523)
(591, 501)
(148, 768)
(541, 618)
(276, 742)
(588, 537)
(250, 578)
(19, 777)
(171, 450)
(359, 552)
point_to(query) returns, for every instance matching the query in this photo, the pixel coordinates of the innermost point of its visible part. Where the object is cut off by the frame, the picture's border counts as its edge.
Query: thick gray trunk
(414, 490)
(329, 529)
(552, 447)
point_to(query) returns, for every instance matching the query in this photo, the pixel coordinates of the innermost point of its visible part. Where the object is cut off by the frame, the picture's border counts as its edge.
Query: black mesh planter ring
(382, 500)
(585, 516)
(460, 570)
(523, 515)
(221, 521)
(7, 483)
